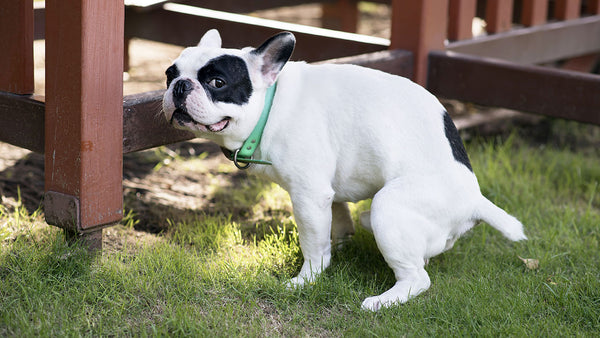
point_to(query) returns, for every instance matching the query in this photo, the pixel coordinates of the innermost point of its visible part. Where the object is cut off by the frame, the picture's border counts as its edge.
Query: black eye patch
(172, 73)
(234, 72)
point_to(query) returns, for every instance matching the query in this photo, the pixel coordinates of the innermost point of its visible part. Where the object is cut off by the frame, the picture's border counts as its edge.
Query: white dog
(333, 134)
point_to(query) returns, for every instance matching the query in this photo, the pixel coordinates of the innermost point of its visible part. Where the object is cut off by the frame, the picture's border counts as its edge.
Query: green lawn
(211, 274)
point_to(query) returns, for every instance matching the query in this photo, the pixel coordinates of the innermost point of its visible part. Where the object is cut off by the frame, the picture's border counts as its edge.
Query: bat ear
(275, 53)
(211, 39)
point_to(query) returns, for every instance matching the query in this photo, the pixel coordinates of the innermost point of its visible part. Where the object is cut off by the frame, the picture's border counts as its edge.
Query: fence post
(16, 44)
(461, 12)
(419, 26)
(593, 7)
(535, 12)
(84, 115)
(567, 9)
(498, 14)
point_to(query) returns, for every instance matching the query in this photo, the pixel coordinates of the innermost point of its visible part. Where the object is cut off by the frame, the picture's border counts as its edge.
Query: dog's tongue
(218, 126)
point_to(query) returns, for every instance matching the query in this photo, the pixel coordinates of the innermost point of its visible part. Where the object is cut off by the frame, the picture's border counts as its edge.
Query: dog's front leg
(313, 218)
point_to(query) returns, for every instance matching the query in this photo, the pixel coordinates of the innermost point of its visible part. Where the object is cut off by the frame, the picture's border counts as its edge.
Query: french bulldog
(337, 134)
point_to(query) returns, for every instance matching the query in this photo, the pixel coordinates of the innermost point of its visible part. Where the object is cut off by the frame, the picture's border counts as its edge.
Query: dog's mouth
(182, 118)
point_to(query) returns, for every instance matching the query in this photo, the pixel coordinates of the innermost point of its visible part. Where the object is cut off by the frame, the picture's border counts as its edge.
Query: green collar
(244, 154)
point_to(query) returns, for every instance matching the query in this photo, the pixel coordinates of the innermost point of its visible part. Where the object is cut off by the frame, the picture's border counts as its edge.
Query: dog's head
(218, 93)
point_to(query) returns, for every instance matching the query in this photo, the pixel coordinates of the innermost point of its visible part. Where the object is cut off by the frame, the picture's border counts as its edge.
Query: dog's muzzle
(181, 89)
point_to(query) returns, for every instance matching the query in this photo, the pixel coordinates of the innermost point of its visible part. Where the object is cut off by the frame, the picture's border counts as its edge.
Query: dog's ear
(275, 52)
(211, 39)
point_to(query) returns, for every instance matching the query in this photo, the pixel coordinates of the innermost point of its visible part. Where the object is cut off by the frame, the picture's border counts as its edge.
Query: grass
(211, 274)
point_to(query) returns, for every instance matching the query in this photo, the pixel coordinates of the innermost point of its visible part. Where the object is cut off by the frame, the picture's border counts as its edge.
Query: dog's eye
(217, 83)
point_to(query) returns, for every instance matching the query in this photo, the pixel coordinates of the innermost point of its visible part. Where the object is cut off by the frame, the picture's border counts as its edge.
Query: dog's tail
(500, 220)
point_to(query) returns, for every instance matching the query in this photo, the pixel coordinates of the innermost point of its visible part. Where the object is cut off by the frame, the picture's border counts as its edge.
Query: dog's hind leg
(342, 227)
(402, 237)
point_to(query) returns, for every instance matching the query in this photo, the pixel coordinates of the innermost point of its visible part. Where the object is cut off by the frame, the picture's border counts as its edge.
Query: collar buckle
(237, 163)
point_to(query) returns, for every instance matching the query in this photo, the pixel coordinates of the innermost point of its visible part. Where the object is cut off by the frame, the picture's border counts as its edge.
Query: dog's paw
(400, 293)
(296, 282)
(376, 303)
(371, 304)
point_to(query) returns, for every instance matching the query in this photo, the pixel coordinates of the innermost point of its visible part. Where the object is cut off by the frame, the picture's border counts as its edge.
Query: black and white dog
(333, 134)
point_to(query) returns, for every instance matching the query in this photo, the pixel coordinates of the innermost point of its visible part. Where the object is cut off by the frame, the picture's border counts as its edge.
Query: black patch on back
(172, 73)
(232, 70)
(458, 149)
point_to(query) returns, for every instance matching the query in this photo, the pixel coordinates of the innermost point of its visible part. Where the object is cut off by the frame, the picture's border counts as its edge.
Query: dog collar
(244, 154)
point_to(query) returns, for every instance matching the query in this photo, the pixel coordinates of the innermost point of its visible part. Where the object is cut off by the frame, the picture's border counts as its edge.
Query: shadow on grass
(154, 186)
(24, 181)
(193, 186)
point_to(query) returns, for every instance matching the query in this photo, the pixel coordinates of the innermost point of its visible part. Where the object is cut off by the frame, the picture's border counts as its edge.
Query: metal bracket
(62, 210)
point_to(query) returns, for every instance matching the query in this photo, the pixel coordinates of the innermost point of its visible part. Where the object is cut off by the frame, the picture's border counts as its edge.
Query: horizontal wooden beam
(237, 6)
(492, 82)
(233, 6)
(22, 121)
(539, 44)
(144, 126)
(39, 20)
(395, 61)
(184, 25)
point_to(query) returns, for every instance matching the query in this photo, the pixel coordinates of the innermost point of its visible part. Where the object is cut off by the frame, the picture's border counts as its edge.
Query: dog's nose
(182, 88)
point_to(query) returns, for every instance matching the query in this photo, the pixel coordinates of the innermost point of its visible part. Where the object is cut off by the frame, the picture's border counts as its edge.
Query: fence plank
(22, 121)
(236, 6)
(534, 89)
(535, 12)
(172, 22)
(567, 9)
(16, 44)
(461, 13)
(144, 126)
(545, 43)
(419, 26)
(593, 7)
(395, 61)
(498, 15)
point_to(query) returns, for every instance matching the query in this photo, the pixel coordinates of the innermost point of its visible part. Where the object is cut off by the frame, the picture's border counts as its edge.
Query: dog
(335, 134)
